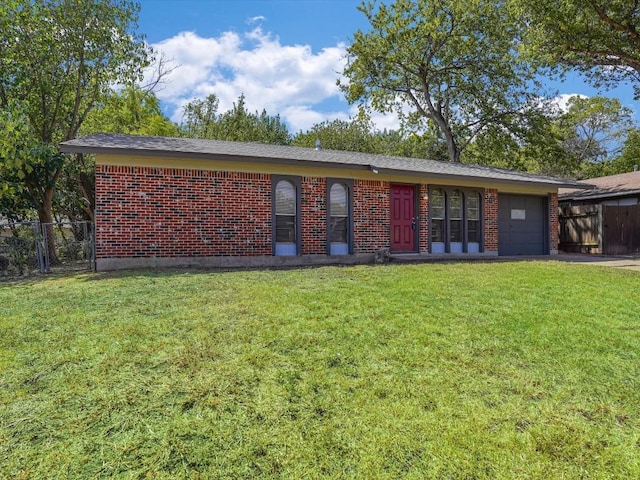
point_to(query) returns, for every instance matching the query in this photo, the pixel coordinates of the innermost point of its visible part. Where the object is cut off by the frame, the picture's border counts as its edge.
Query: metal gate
(30, 247)
(621, 232)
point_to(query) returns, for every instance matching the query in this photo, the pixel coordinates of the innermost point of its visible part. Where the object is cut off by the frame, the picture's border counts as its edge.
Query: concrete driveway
(628, 263)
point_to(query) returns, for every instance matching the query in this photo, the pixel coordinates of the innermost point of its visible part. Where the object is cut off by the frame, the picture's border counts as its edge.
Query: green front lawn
(469, 370)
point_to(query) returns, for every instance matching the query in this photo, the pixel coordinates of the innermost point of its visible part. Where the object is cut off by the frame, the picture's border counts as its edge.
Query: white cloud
(290, 80)
(562, 101)
(384, 121)
(256, 19)
(303, 117)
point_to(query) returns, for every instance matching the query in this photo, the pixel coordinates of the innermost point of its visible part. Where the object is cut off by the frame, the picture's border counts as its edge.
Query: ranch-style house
(163, 202)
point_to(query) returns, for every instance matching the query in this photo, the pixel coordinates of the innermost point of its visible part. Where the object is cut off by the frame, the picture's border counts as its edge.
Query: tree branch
(626, 29)
(612, 59)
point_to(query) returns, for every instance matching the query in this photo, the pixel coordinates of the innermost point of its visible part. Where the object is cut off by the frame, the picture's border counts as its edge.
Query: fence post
(93, 244)
(37, 235)
(45, 237)
(600, 230)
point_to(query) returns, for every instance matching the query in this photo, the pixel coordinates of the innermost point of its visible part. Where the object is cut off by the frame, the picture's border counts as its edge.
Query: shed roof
(611, 186)
(120, 144)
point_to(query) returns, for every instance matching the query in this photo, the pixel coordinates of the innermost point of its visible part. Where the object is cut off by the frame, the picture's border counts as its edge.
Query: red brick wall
(313, 200)
(166, 212)
(490, 211)
(423, 217)
(371, 216)
(554, 226)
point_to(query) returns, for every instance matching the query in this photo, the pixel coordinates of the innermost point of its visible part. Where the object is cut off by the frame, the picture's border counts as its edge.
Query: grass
(470, 371)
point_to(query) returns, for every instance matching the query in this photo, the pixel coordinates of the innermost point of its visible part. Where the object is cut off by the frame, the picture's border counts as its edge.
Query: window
(338, 217)
(437, 208)
(338, 213)
(473, 217)
(285, 211)
(455, 220)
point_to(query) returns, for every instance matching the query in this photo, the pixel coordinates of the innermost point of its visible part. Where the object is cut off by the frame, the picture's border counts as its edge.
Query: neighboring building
(603, 219)
(619, 190)
(186, 202)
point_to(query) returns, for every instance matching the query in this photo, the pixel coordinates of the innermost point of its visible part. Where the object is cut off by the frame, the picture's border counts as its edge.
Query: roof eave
(97, 150)
(596, 196)
(209, 156)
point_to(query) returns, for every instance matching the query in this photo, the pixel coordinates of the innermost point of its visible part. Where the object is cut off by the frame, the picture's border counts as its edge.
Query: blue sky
(283, 55)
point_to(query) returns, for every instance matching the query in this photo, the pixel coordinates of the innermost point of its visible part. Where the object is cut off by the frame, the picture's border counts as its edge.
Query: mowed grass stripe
(466, 370)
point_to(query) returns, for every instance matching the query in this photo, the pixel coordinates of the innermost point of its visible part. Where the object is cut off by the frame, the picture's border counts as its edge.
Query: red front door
(402, 221)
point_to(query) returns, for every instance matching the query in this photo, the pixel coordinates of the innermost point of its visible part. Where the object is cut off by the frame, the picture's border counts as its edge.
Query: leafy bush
(70, 250)
(21, 251)
(4, 263)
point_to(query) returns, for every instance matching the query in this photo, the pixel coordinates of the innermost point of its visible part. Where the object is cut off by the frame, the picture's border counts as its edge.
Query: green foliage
(70, 250)
(74, 198)
(476, 370)
(14, 206)
(29, 168)
(596, 128)
(625, 163)
(201, 120)
(131, 110)
(58, 59)
(17, 251)
(496, 147)
(450, 63)
(17, 139)
(354, 135)
(630, 153)
(427, 144)
(573, 144)
(16, 144)
(598, 38)
(359, 135)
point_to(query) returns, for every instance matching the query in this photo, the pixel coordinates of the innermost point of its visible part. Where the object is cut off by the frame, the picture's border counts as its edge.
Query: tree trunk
(452, 147)
(45, 215)
(87, 186)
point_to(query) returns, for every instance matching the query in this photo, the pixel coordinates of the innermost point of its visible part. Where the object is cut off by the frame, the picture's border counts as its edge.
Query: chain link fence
(28, 248)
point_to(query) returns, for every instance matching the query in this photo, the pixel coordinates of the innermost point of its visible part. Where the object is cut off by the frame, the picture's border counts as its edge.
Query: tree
(596, 128)
(452, 64)
(627, 162)
(427, 144)
(238, 124)
(201, 120)
(29, 168)
(571, 143)
(132, 110)
(58, 58)
(354, 135)
(535, 145)
(359, 135)
(599, 38)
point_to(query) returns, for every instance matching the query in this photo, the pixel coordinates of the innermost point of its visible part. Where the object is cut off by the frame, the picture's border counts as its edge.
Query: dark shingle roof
(619, 185)
(108, 143)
